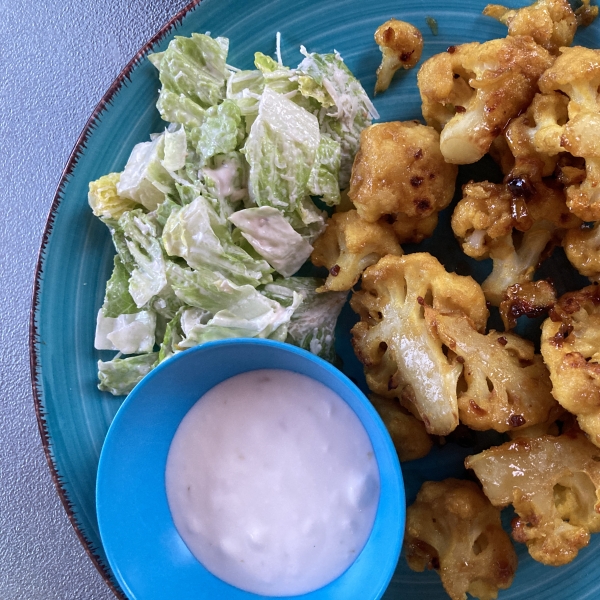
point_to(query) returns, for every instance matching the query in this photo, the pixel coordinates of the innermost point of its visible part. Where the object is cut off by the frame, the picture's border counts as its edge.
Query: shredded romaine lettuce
(208, 211)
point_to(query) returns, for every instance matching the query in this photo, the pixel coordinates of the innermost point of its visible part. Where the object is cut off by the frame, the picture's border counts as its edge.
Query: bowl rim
(34, 340)
(370, 420)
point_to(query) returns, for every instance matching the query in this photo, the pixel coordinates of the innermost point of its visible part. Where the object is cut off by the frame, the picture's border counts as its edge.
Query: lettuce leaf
(312, 325)
(120, 375)
(273, 238)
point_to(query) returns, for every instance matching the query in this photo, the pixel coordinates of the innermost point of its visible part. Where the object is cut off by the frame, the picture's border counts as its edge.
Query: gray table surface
(57, 57)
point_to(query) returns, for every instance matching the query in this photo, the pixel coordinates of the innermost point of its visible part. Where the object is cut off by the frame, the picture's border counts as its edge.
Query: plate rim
(33, 337)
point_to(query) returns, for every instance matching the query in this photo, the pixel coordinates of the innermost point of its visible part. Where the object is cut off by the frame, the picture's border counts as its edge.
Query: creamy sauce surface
(272, 483)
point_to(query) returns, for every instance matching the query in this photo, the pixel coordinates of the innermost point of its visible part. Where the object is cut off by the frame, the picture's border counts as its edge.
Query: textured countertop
(56, 60)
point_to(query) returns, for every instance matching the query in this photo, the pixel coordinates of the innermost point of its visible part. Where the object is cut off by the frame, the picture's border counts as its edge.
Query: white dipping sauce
(272, 483)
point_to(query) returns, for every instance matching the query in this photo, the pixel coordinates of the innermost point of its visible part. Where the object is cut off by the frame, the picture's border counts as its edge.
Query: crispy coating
(471, 92)
(401, 45)
(504, 384)
(407, 432)
(399, 171)
(532, 298)
(576, 73)
(348, 246)
(412, 230)
(582, 247)
(453, 528)
(400, 355)
(551, 23)
(570, 346)
(486, 221)
(553, 483)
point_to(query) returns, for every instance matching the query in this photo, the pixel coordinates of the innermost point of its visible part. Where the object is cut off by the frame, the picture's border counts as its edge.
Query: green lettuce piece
(225, 180)
(175, 150)
(197, 234)
(173, 335)
(281, 150)
(273, 238)
(120, 375)
(148, 277)
(104, 200)
(323, 179)
(178, 108)
(348, 109)
(127, 333)
(144, 178)
(222, 130)
(217, 308)
(117, 299)
(312, 325)
(194, 68)
(265, 63)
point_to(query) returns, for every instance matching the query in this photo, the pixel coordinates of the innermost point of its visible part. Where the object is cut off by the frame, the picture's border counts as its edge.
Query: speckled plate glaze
(76, 254)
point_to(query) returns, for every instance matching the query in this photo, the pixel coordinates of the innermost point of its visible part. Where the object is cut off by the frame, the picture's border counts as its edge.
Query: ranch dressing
(272, 483)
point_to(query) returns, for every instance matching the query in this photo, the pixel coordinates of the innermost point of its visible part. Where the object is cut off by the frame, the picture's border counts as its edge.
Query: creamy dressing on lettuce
(225, 202)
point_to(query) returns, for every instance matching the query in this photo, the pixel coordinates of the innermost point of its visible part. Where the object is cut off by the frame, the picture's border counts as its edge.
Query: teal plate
(76, 255)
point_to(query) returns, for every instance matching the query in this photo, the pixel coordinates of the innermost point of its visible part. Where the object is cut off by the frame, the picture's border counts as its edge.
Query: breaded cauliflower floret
(471, 92)
(576, 73)
(401, 45)
(532, 298)
(486, 222)
(582, 247)
(348, 246)
(400, 172)
(401, 356)
(407, 432)
(504, 384)
(551, 23)
(570, 346)
(532, 137)
(553, 483)
(453, 528)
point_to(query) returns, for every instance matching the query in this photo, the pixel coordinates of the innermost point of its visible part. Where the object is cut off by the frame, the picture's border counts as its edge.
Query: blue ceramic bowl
(145, 551)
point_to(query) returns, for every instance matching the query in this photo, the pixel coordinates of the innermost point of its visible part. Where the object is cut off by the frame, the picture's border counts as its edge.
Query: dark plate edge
(33, 333)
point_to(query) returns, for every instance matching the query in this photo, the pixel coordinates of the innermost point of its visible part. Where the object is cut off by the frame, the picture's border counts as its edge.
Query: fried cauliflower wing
(551, 23)
(553, 483)
(570, 346)
(400, 355)
(348, 246)
(453, 528)
(504, 385)
(410, 438)
(401, 45)
(491, 222)
(399, 172)
(582, 247)
(532, 298)
(576, 73)
(471, 92)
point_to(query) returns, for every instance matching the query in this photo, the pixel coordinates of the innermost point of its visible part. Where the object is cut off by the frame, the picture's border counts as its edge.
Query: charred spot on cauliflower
(551, 23)
(402, 358)
(453, 528)
(570, 346)
(401, 45)
(399, 172)
(348, 246)
(471, 93)
(408, 433)
(504, 385)
(553, 483)
(533, 298)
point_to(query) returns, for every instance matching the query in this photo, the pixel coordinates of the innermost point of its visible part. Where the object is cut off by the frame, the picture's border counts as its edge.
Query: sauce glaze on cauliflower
(453, 528)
